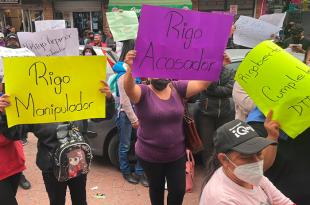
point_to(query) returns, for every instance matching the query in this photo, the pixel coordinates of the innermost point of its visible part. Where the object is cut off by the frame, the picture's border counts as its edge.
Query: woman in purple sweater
(160, 144)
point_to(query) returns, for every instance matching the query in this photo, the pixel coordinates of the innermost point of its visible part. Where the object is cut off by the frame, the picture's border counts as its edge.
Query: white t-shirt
(221, 190)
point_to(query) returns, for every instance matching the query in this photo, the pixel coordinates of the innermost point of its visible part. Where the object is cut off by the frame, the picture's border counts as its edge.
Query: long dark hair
(91, 50)
(212, 165)
(127, 46)
(306, 55)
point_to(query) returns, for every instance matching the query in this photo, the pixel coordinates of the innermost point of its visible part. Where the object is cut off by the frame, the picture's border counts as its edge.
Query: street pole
(255, 7)
(23, 17)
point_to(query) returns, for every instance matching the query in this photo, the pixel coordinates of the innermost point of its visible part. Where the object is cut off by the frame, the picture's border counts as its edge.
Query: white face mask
(88, 54)
(251, 173)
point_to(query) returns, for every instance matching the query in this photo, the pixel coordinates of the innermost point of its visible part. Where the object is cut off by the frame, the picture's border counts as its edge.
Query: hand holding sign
(227, 59)
(275, 79)
(129, 58)
(272, 127)
(4, 102)
(54, 92)
(106, 89)
(187, 45)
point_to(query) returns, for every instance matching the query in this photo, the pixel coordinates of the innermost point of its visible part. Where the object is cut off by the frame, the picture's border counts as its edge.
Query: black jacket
(290, 170)
(217, 101)
(47, 137)
(16, 132)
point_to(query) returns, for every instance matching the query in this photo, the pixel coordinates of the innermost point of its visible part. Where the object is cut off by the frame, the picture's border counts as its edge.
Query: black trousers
(57, 190)
(8, 189)
(174, 172)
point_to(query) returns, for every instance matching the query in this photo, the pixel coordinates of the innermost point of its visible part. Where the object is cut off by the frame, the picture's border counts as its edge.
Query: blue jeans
(124, 133)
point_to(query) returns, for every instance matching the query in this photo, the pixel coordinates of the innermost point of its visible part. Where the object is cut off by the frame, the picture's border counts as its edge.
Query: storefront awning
(136, 4)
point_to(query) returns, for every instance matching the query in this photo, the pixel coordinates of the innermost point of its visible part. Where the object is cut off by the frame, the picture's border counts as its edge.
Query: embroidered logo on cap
(240, 130)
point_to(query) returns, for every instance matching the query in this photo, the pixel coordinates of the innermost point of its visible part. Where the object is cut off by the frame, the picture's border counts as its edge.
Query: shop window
(13, 17)
(96, 21)
(30, 16)
(81, 21)
(61, 16)
(87, 20)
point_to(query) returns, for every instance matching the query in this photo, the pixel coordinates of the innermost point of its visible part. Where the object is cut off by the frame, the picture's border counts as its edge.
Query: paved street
(103, 175)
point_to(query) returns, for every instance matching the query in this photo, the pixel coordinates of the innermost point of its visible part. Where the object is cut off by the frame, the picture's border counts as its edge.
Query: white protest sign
(49, 25)
(250, 31)
(60, 42)
(274, 19)
(8, 52)
(123, 25)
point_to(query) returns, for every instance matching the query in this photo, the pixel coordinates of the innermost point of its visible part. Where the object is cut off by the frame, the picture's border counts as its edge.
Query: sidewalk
(102, 175)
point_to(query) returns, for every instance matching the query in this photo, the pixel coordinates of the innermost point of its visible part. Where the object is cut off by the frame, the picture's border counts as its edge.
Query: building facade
(90, 14)
(21, 14)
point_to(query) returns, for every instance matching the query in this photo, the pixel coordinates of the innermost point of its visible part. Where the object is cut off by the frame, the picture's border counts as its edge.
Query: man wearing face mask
(298, 42)
(235, 172)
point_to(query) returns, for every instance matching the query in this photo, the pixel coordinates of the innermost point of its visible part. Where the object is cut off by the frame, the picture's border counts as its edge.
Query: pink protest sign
(180, 44)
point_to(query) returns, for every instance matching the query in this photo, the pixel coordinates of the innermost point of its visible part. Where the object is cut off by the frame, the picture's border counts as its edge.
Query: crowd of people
(261, 165)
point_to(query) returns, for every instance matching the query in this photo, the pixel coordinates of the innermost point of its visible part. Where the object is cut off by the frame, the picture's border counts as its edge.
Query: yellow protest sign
(54, 89)
(276, 80)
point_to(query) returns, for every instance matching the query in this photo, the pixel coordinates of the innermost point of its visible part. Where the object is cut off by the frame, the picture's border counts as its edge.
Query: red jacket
(12, 158)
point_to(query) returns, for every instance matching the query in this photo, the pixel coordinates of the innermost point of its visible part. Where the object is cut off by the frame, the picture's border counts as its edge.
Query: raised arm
(196, 86)
(132, 90)
(270, 152)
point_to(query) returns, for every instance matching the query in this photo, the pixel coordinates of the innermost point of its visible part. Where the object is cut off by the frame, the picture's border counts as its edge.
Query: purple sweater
(160, 136)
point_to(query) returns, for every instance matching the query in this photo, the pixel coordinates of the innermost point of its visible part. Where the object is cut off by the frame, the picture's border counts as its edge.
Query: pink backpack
(190, 171)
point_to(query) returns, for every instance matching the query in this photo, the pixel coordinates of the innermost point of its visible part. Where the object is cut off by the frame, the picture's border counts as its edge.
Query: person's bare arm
(273, 130)
(132, 90)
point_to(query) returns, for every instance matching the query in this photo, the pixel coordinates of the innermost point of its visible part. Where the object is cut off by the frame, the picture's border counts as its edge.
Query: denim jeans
(124, 133)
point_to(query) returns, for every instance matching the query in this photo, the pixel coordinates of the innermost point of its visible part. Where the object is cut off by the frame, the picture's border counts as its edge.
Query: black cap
(11, 36)
(240, 137)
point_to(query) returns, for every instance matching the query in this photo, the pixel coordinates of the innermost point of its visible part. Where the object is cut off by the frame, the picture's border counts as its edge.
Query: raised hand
(272, 127)
(4, 102)
(105, 89)
(226, 59)
(130, 57)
